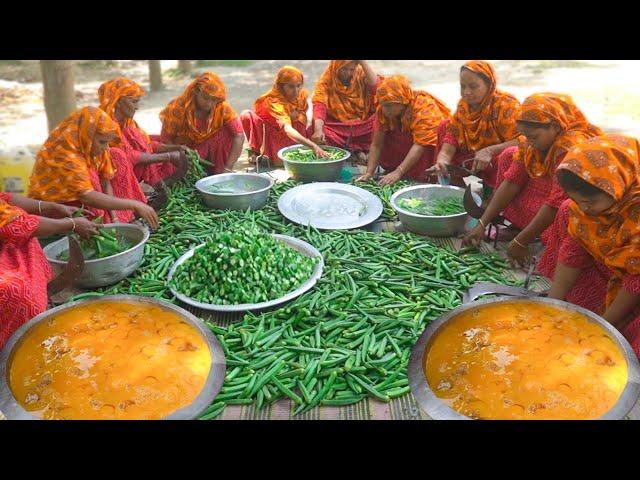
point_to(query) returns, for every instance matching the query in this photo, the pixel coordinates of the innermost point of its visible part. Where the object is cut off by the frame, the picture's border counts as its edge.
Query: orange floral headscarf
(275, 102)
(346, 103)
(8, 212)
(61, 170)
(111, 91)
(423, 115)
(575, 129)
(493, 123)
(179, 117)
(610, 163)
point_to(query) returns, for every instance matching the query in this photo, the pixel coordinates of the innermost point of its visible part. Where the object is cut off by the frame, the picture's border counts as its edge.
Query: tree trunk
(59, 94)
(155, 75)
(185, 66)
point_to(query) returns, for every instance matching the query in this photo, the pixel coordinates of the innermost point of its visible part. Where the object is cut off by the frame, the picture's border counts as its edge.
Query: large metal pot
(437, 410)
(314, 171)
(447, 226)
(105, 271)
(255, 199)
(10, 407)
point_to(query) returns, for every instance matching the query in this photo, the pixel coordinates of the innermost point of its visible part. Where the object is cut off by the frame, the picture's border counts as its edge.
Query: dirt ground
(606, 91)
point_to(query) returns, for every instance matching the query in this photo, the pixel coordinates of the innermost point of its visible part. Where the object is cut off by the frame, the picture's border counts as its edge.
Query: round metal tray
(14, 411)
(330, 206)
(301, 246)
(438, 410)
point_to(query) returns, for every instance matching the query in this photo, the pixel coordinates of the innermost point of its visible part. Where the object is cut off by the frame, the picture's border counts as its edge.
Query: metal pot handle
(488, 288)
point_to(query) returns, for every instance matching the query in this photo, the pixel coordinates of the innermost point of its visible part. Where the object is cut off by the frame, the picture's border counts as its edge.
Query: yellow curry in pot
(109, 360)
(525, 361)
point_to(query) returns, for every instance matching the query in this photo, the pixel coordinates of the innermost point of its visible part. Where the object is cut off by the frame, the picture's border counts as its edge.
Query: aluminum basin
(102, 272)
(313, 171)
(445, 226)
(253, 191)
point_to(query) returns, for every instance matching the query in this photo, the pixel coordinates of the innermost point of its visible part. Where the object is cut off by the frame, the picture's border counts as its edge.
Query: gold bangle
(482, 223)
(40, 207)
(401, 169)
(515, 240)
(73, 223)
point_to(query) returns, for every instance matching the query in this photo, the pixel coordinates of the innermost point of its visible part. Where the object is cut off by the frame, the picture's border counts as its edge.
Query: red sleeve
(155, 145)
(134, 156)
(573, 254)
(6, 197)
(266, 117)
(631, 283)
(20, 230)
(319, 111)
(449, 137)
(234, 127)
(516, 173)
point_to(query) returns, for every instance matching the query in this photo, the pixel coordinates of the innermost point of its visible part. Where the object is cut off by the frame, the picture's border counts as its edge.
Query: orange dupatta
(610, 163)
(179, 117)
(110, 93)
(275, 103)
(493, 123)
(8, 212)
(546, 108)
(424, 111)
(346, 103)
(61, 169)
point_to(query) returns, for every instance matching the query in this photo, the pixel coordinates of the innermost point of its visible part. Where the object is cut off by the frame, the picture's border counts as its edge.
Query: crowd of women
(544, 168)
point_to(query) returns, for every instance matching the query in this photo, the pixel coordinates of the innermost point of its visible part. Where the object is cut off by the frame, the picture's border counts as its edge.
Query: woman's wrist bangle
(515, 240)
(73, 222)
(40, 207)
(482, 223)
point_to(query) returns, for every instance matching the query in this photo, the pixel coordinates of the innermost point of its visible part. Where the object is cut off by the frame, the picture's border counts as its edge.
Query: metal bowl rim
(212, 385)
(436, 409)
(310, 186)
(243, 307)
(399, 209)
(231, 175)
(145, 238)
(281, 152)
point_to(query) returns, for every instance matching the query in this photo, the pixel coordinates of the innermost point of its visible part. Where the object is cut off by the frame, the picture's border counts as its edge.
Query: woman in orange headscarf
(483, 125)
(602, 178)
(405, 131)
(280, 118)
(528, 195)
(202, 119)
(74, 167)
(344, 106)
(24, 269)
(149, 160)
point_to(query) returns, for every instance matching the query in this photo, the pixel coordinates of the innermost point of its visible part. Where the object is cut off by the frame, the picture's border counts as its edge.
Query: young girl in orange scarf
(602, 178)
(280, 118)
(405, 131)
(74, 167)
(483, 126)
(202, 119)
(528, 195)
(150, 160)
(344, 106)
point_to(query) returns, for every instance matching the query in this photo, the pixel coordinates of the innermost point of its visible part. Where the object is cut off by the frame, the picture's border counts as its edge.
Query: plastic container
(15, 170)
